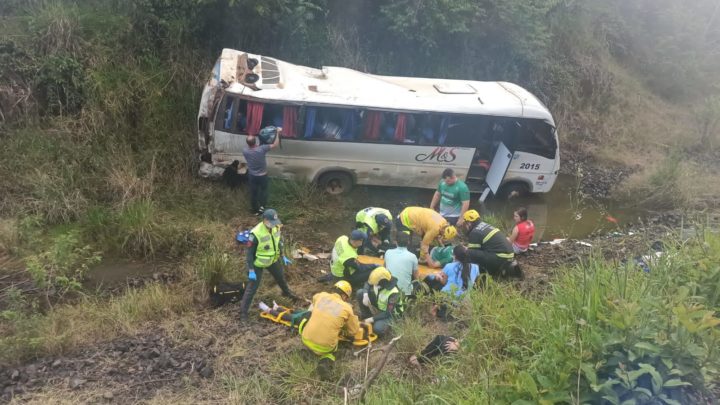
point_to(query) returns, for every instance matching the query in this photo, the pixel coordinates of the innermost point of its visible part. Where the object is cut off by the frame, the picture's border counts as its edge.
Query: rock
(108, 395)
(31, 370)
(163, 361)
(207, 372)
(76, 383)
(15, 375)
(56, 363)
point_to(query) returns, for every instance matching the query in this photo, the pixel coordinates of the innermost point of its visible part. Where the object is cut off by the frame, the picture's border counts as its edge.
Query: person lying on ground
(331, 315)
(430, 225)
(381, 295)
(457, 277)
(344, 264)
(523, 231)
(441, 345)
(440, 256)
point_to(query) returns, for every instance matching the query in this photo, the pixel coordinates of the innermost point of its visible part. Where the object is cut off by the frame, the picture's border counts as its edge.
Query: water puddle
(563, 213)
(114, 272)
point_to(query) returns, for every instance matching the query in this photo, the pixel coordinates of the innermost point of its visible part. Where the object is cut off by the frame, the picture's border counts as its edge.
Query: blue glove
(252, 276)
(286, 260)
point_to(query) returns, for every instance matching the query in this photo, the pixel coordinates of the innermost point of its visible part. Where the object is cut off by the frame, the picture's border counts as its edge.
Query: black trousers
(258, 191)
(276, 269)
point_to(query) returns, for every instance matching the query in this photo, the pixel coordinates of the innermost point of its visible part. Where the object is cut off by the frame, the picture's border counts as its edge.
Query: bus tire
(513, 190)
(336, 183)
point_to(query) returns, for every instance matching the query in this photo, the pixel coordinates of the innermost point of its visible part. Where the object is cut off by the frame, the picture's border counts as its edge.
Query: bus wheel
(513, 190)
(336, 183)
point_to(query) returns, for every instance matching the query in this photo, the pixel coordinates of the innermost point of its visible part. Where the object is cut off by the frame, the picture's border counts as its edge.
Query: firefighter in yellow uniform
(331, 316)
(427, 223)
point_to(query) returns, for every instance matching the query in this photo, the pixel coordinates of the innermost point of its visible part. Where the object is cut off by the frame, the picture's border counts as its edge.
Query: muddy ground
(162, 359)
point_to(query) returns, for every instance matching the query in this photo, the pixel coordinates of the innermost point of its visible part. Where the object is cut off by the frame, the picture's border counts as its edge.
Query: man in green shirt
(454, 198)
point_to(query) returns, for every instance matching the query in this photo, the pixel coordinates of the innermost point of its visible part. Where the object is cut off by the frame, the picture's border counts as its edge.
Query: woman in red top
(523, 232)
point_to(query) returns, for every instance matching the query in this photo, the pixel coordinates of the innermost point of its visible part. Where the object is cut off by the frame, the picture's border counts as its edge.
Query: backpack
(223, 293)
(243, 238)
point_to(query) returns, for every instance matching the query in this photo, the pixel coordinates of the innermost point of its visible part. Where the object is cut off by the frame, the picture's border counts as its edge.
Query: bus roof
(283, 81)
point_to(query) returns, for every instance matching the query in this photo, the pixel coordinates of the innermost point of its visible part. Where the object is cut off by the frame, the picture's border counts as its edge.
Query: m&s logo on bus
(439, 154)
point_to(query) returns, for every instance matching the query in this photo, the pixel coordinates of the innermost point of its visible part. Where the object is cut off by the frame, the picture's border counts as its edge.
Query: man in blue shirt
(402, 264)
(254, 154)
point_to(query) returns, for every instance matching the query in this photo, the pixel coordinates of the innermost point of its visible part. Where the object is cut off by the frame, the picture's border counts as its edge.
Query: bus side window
(241, 120)
(225, 113)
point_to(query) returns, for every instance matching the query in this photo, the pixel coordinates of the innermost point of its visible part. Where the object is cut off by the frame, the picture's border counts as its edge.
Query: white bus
(342, 127)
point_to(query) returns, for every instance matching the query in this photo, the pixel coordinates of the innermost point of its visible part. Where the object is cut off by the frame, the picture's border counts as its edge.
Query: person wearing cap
(381, 295)
(427, 223)
(344, 264)
(377, 223)
(264, 253)
(488, 247)
(254, 154)
(454, 197)
(331, 316)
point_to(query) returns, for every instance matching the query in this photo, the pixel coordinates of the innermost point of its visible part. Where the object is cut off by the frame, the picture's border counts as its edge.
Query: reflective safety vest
(384, 295)
(367, 217)
(268, 245)
(342, 251)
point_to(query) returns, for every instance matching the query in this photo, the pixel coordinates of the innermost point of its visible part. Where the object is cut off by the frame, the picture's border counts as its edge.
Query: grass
(604, 333)
(67, 327)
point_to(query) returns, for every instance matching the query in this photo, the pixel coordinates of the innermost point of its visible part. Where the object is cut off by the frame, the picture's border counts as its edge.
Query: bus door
(498, 168)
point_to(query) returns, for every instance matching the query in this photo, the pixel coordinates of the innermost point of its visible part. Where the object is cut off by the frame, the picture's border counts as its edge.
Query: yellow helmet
(449, 233)
(471, 216)
(345, 287)
(380, 273)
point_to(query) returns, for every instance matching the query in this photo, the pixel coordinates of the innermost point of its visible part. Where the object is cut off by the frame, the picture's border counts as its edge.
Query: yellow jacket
(330, 314)
(425, 222)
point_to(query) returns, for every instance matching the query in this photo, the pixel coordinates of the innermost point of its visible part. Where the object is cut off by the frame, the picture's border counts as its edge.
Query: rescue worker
(427, 223)
(382, 295)
(344, 264)
(377, 223)
(264, 253)
(488, 247)
(331, 315)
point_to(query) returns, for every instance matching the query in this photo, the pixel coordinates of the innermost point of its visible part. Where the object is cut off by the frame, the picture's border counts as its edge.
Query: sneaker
(264, 307)
(261, 210)
(275, 306)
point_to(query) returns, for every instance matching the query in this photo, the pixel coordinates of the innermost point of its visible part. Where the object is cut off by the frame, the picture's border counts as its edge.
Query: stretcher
(364, 336)
(423, 270)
